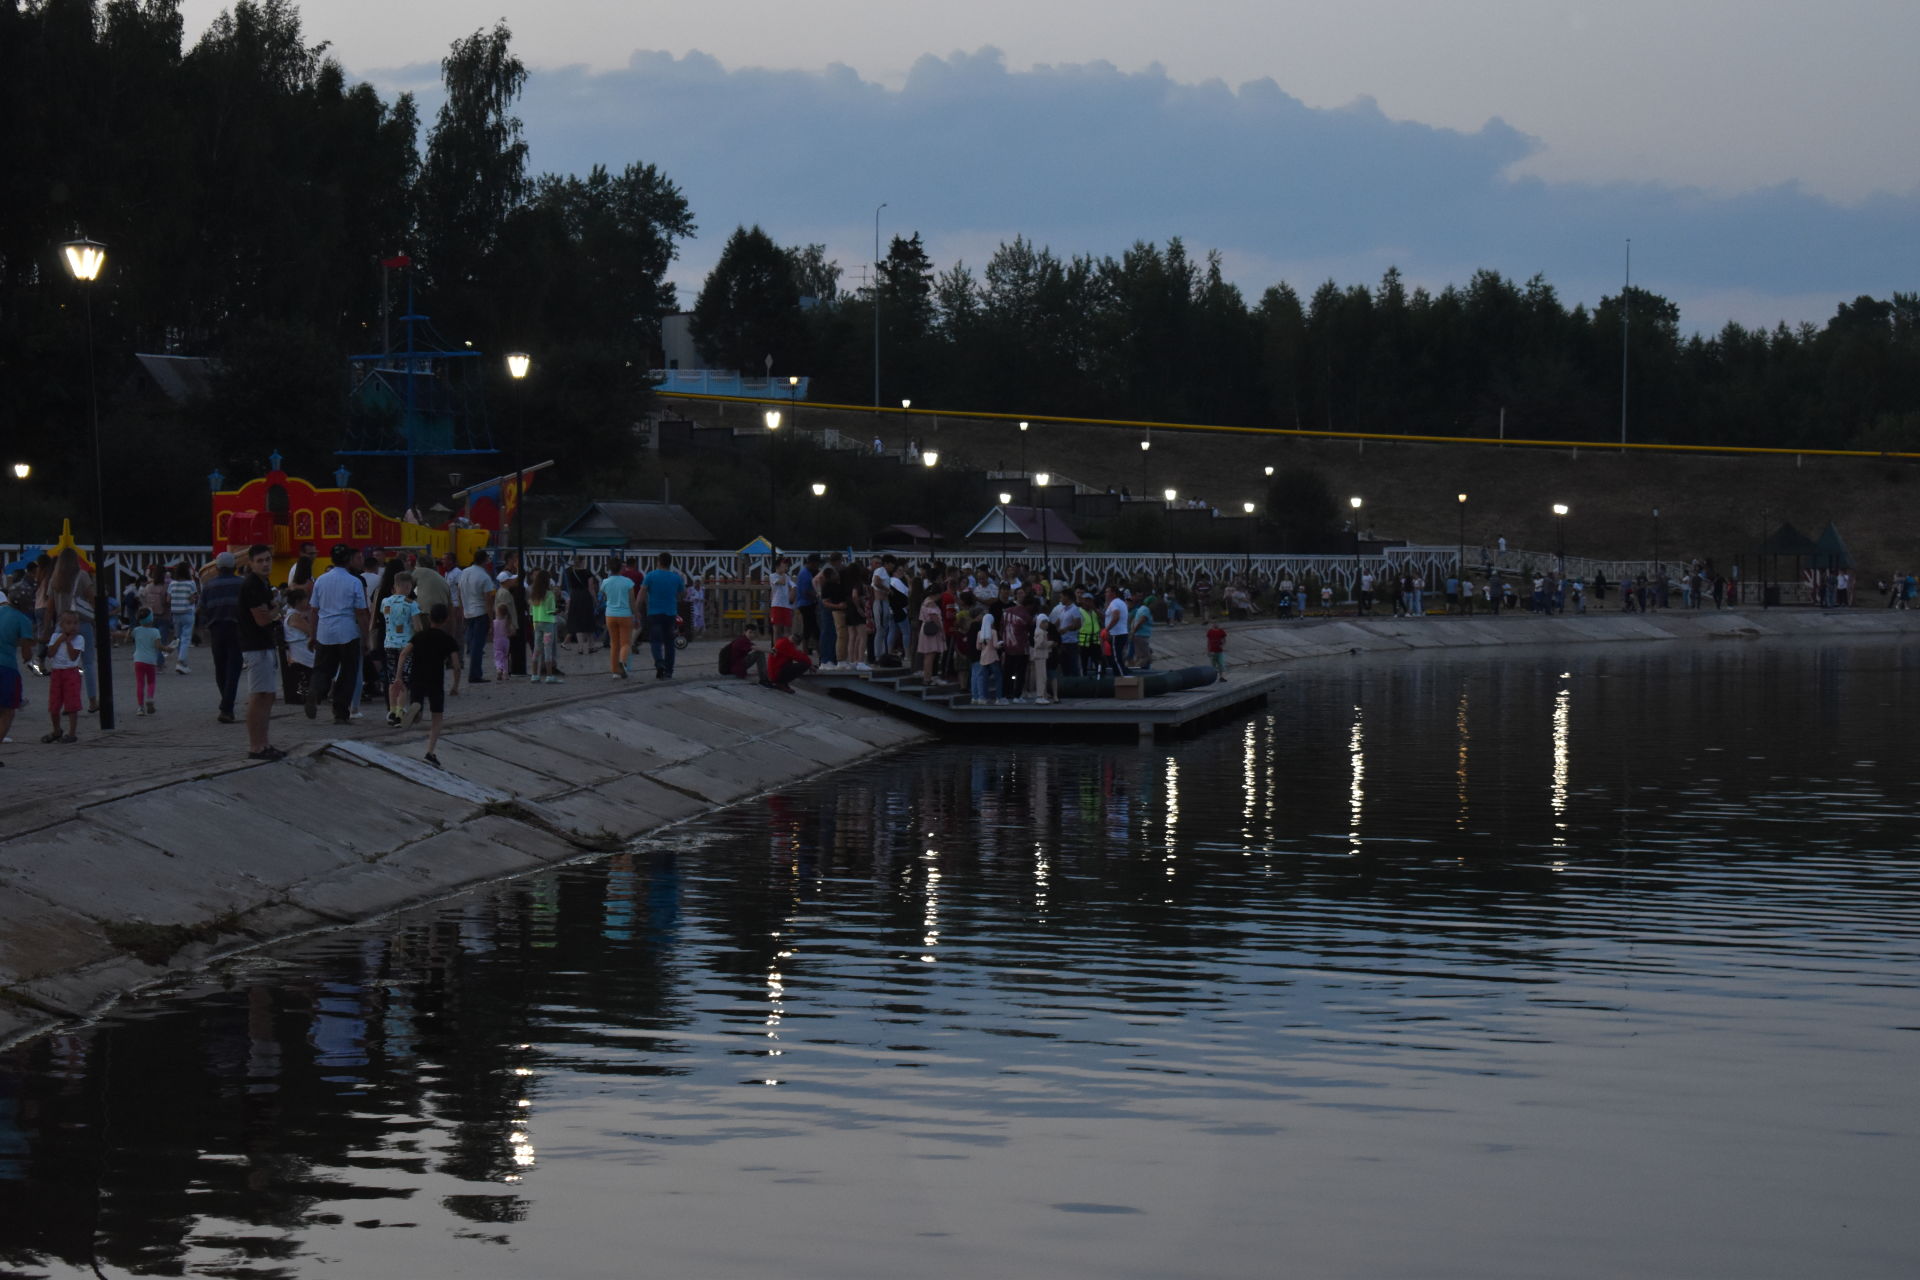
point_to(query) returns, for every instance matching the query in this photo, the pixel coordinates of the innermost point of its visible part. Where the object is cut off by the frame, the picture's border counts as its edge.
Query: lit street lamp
(904, 406)
(772, 418)
(517, 365)
(931, 457)
(85, 260)
(1046, 546)
(1460, 557)
(1145, 445)
(1355, 503)
(1166, 523)
(1023, 449)
(21, 471)
(1560, 511)
(1248, 508)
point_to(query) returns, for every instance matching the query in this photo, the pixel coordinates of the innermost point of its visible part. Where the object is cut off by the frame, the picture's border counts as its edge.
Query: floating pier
(948, 710)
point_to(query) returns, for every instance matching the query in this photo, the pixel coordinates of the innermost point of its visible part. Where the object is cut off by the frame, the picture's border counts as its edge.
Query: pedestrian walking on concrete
(425, 660)
(660, 593)
(259, 659)
(219, 608)
(476, 606)
(340, 599)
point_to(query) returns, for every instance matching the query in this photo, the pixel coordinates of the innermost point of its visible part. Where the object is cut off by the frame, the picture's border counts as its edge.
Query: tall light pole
(1355, 503)
(1023, 450)
(876, 305)
(85, 260)
(1560, 510)
(772, 418)
(793, 401)
(1145, 445)
(905, 405)
(517, 365)
(21, 471)
(1166, 522)
(1046, 546)
(1656, 540)
(1460, 556)
(1248, 508)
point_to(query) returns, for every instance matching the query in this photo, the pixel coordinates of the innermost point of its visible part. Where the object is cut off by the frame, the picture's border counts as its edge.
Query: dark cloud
(1089, 158)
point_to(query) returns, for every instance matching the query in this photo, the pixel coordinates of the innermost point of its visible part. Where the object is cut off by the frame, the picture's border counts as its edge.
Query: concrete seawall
(131, 882)
(118, 893)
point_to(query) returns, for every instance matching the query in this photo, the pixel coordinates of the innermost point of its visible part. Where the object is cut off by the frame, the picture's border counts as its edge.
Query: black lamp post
(1046, 546)
(1248, 508)
(1355, 503)
(21, 471)
(517, 365)
(1560, 510)
(85, 260)
(1460, 555)
(772, 418)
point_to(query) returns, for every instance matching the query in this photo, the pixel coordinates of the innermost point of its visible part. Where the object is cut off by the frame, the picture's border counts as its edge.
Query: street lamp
(1560, 510)
(1248, 508)
(905, 405)
(1046, 546)
(1145, 445)
(772, 418)
(85, 259)
(21, 471)
(1269, 473)
(1005, 499)
(1023, 448)
(931, 457)
(1460, 556)
(819, 489)
(518, 363)
(1656, 552)
(1354, 590)
(793, 398)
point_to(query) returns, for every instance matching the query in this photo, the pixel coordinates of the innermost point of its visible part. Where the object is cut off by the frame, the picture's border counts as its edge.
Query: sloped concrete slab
(283, 849)
(537, 758)
(419, 771)
(484, 849)
(620, 809)
(38, 938)
(105, 874)
(726, 776)
(602, 722)
(343, 801)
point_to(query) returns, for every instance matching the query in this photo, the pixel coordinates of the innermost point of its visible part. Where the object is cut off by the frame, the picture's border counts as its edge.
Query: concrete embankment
(118, 893)
(1261, 643)
(115, 884)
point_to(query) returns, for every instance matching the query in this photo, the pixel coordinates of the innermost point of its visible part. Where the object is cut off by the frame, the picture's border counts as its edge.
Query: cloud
(1088, 158)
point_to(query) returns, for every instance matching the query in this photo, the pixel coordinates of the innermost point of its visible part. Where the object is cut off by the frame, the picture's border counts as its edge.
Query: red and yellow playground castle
(283, 511)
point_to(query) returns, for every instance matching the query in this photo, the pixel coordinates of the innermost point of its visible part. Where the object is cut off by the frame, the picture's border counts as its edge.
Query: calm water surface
(1589, 963)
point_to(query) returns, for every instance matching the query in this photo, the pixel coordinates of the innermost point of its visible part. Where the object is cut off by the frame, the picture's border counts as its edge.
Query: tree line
(1158, 333)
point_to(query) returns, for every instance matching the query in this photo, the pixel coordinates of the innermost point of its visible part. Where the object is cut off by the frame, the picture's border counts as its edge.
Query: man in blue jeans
(219, 610)
(661, 589)
(476, 602)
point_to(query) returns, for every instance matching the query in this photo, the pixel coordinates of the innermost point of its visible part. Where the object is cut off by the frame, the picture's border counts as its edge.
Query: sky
(1762, 155)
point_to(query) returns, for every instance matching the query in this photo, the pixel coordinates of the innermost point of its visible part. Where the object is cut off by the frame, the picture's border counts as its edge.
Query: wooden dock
(947, 709)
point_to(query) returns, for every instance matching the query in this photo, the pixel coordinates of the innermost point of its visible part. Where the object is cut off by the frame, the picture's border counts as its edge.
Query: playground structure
(283, 512)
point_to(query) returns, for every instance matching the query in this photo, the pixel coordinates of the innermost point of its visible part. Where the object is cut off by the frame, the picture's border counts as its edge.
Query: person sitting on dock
(739, 658)
(788, 663)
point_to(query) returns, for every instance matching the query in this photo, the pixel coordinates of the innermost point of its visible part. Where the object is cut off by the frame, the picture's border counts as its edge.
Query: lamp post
(518, 363)
(1023, 450)
(793, 400)
(1248, 508)
(905, 405)
(21, 471)
(772, 418)
(85, 259)
(819, 491)
(1166, 523)
(1355, 503)
(1145, 446)
(931, 457)
(1460, 556)
(1560, 510)
(876, 306)
(1046, 546)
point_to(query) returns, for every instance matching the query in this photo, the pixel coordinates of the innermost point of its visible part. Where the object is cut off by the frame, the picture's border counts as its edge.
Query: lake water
(1595, 962)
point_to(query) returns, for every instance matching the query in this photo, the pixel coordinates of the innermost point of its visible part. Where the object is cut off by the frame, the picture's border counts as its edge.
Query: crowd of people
(397, 628)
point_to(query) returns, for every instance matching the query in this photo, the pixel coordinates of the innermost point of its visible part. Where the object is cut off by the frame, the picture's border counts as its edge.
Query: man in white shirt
(340, 600)
(475, 589)
(1114, 618)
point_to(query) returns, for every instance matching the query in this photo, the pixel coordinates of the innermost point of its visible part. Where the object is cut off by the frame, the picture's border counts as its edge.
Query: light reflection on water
(1627, 991)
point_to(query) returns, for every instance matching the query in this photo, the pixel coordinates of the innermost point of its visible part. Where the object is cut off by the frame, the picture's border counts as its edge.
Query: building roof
(1027, 524)
(614, 523)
